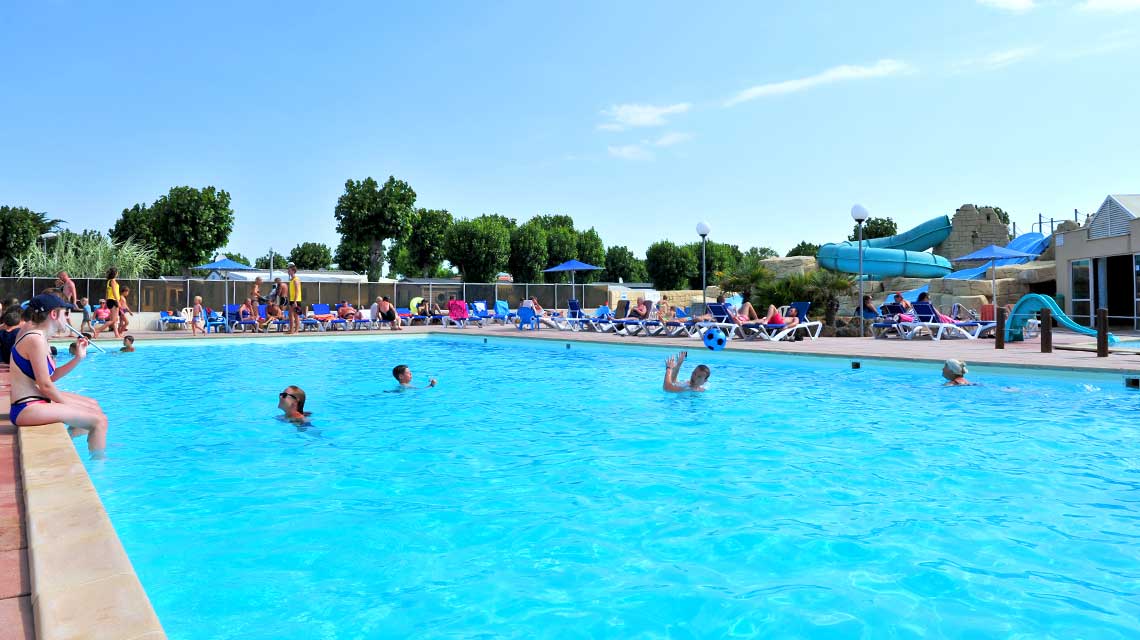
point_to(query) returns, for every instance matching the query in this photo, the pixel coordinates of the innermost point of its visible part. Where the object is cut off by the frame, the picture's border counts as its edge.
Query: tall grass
(87, 256)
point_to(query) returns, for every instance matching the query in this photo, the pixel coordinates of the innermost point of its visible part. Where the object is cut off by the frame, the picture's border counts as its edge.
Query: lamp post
(860, 215)
(47, 236)
(703, 231)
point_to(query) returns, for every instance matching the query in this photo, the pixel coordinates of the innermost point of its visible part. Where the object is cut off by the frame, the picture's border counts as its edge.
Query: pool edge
(81, 577)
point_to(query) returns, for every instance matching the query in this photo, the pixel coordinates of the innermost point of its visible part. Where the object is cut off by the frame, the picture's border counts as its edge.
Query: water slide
(1027, 308)
(1034, 243)
(899, 255)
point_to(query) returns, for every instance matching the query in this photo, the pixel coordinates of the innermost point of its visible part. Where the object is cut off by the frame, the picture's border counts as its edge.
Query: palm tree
(826, 286)
(748, 278)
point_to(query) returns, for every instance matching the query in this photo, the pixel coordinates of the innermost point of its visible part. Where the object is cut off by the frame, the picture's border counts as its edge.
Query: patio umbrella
(994, 253)
(225, 265)
(572, 266)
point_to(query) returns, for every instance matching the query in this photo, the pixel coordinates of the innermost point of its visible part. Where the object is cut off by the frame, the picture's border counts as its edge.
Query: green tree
(424, 241)
(311, 255)
(761, 253)
(528, 252)
(19, 229)
(591, 251)
(668, 266)
(804, 248)
(874, 228)
(369, 214)
(189, 224)
(237, 257)
(351, 256)
(561, 245)
(137, 223)
(479, 248)
(1001, 214)
(719, 259)
(509, 223)
(622, 265)
(552, 220)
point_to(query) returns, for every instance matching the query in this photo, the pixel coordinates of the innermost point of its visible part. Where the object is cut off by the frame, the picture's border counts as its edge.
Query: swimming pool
(549, 492)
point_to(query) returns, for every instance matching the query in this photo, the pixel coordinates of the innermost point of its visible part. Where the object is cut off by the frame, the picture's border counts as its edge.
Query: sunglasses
(286, 394)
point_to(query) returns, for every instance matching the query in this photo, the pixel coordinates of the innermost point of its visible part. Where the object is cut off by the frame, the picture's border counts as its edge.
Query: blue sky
(639, 119)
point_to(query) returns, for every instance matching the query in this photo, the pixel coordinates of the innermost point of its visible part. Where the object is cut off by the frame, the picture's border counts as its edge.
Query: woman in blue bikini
(35, 398)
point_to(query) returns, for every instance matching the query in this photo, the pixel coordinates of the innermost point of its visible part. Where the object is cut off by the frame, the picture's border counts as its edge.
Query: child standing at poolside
(696, 381)
(196, 318)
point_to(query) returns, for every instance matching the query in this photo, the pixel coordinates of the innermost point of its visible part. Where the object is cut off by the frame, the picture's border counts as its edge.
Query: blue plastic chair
(528, 319)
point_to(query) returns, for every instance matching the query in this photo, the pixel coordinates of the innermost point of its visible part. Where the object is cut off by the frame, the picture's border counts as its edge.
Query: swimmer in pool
(404, 376)
(955, 373)
(292, 402)
(696, 381)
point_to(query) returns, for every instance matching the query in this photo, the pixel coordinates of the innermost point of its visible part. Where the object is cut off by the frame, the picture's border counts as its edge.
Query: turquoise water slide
(899, 255)
(1027, 308)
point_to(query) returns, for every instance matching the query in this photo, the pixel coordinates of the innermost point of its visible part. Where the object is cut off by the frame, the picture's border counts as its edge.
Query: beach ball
(715, 339)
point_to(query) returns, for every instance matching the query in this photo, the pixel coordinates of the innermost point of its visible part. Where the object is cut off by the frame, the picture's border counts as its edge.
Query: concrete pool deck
(63, 571)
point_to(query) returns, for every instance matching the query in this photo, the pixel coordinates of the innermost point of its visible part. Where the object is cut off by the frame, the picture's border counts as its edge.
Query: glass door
(1136, 290)
(1081, 290)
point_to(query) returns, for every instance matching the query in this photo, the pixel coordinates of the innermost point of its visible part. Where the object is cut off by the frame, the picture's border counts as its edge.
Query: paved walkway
(1071, 351)
(15, 581)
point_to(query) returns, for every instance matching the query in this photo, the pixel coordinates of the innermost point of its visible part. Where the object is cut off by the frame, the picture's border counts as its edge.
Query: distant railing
(174, 295)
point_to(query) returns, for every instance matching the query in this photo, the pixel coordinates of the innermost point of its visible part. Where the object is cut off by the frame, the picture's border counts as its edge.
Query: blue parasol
(572, 266)
(225, 265)
(993, 252)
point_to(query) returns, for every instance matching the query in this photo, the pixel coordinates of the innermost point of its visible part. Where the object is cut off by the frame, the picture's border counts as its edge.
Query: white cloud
(1109, 6)
(630, 152)
(624, 116)
(672, 138)
(1016, 6)
(842, 73)
(997, 59)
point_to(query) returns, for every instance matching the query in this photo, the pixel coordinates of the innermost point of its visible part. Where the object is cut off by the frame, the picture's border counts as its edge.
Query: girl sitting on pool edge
(696, 381)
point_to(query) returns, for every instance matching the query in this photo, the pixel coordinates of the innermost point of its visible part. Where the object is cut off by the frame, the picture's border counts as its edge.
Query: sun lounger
(574, 320)
(528, 319)
(233, 311)
(927, 320)
(721, 319)
(777, 332)
(169, 320)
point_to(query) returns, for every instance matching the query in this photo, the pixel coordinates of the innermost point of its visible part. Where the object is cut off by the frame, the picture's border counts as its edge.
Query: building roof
(1114, 216)
(1130, 202)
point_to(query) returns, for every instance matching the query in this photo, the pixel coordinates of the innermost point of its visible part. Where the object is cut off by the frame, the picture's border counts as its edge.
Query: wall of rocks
(972, 229)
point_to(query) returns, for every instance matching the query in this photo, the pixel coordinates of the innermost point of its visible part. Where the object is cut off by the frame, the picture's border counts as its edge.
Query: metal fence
(174, 295)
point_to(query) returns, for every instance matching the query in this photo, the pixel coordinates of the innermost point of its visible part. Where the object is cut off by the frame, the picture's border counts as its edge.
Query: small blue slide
(1028, 306)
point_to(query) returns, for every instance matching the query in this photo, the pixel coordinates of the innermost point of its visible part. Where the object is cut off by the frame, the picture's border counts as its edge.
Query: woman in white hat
(955, 372)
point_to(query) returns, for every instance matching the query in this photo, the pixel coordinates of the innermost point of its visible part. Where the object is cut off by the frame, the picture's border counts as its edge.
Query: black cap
(47, 302)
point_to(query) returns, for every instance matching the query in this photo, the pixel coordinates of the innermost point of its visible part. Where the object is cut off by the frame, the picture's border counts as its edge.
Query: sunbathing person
(245, 311)
(542, 314)
(383, 311)
(868, 310)
(955, 373)
(272, 313)
(696, 380)
(774, 316)
(925, 297)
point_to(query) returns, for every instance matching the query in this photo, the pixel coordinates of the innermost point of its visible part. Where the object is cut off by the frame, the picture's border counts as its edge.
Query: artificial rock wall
(972, 229)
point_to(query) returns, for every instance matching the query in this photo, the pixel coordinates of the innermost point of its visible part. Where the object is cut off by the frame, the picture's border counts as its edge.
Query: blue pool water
(546, 492)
